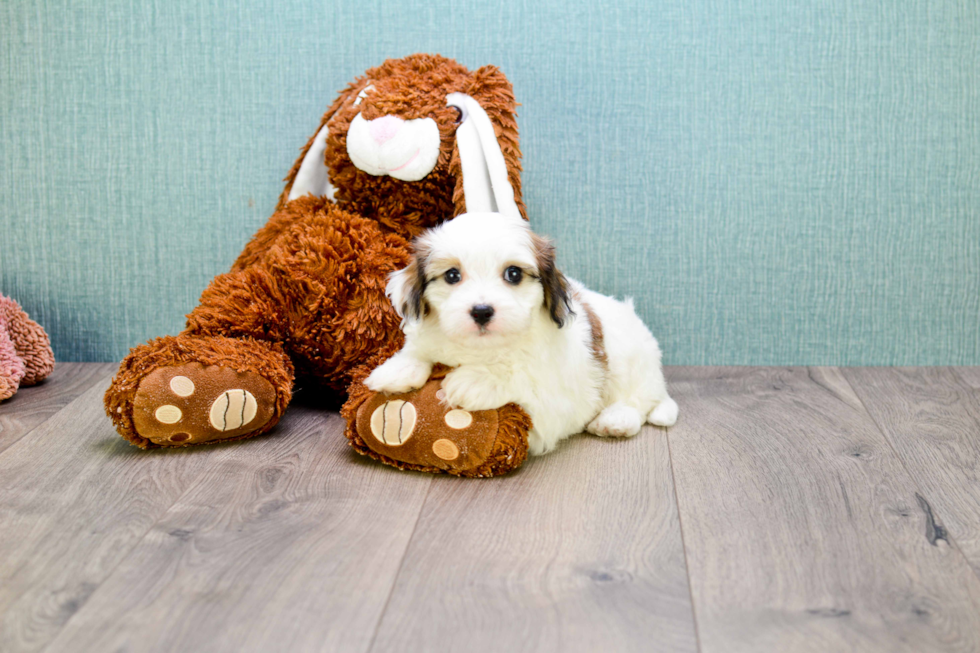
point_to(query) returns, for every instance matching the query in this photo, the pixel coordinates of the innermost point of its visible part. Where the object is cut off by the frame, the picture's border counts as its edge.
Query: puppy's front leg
(475, 387)
(400, 373)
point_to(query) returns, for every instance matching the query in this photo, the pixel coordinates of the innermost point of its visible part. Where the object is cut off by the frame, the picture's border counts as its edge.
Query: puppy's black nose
(481, 313)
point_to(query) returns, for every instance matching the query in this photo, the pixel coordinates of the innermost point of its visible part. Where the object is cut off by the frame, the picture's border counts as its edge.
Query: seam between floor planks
(23, 438)
(164, 509)
(50, 395)
(932, 513)
(930, 416)
(39, 438)
(576, 547)
(231, 451)
(759, 604)
(124, 558)
(398, 573)
(680, 527)
(322, 548)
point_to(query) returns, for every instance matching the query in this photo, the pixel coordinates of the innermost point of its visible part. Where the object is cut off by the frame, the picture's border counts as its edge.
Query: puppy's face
(481, 279)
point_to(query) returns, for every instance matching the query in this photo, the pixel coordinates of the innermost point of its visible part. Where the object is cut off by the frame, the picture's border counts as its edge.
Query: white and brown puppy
(483, 296)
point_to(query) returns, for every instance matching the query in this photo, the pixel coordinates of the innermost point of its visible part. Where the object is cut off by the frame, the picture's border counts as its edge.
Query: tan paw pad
(182, 386)
(445, 449)
(458, 419)
(168, 414)
(233, 409)
(393, 422)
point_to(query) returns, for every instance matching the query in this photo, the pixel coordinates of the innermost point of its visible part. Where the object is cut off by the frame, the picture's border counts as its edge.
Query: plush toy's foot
(176, 392)
(192, 404)
(417, 430)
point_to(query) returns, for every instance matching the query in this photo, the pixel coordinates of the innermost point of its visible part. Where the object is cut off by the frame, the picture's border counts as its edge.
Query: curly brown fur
(319, 289)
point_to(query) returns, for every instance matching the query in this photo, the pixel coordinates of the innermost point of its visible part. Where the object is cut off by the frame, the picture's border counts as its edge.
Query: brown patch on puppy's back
(597, 343)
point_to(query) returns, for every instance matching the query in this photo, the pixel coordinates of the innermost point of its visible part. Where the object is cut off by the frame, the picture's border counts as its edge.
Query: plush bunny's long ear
(484, 169)
(312, 175)
(309, 174)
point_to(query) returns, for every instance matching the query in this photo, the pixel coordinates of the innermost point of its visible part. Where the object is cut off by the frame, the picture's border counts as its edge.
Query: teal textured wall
(775, 181)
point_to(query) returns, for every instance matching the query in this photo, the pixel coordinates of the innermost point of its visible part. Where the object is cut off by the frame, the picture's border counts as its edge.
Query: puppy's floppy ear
(309, 173)
(556, 292)
(406, 288)
(490, 156)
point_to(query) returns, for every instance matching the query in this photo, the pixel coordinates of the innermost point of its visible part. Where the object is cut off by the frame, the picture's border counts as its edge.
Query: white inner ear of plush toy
(485, 184)
(312, 176)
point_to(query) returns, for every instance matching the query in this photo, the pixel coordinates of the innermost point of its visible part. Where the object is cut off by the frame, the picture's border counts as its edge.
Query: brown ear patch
(556, 294)
(414, 305)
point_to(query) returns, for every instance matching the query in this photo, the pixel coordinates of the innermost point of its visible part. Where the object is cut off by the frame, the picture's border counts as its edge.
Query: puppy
(483, 295)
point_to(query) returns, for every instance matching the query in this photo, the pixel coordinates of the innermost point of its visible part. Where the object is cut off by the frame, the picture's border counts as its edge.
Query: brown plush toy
(404, 147)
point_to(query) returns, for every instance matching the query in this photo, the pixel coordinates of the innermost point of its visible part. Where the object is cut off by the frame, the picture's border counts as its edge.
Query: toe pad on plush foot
(189, 404)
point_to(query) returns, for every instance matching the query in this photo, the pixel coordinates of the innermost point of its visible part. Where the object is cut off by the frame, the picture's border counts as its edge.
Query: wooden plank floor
(790, 509)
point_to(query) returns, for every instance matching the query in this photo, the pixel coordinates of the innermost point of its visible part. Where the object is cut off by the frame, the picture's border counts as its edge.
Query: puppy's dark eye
(459, 115)
(452, 276)
(513, 275)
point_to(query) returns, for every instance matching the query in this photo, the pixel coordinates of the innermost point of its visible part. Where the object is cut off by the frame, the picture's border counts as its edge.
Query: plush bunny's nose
(384, 128)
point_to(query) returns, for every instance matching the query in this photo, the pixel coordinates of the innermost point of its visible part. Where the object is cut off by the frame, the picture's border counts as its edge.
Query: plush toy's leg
(417, 430)
(227, 377)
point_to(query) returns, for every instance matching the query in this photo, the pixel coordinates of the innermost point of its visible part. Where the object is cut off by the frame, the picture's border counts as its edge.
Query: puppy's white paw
(537, 445)
(665, 414)
(618, 421)
(398, 374)
(472, 389)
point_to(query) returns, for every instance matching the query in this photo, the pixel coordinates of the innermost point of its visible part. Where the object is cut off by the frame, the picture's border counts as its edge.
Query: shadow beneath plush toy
(310, 394)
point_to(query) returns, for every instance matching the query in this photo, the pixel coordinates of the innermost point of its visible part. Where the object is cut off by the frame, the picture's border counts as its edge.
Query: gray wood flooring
(790, 509)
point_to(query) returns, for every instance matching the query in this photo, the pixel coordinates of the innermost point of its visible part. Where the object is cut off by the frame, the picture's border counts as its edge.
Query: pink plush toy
(25, 351)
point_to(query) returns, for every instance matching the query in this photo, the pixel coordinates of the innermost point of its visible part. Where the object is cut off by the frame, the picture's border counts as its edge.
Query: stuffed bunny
(306, 297)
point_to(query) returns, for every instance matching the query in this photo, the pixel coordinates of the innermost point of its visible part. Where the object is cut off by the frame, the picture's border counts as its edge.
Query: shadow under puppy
(482, 295)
